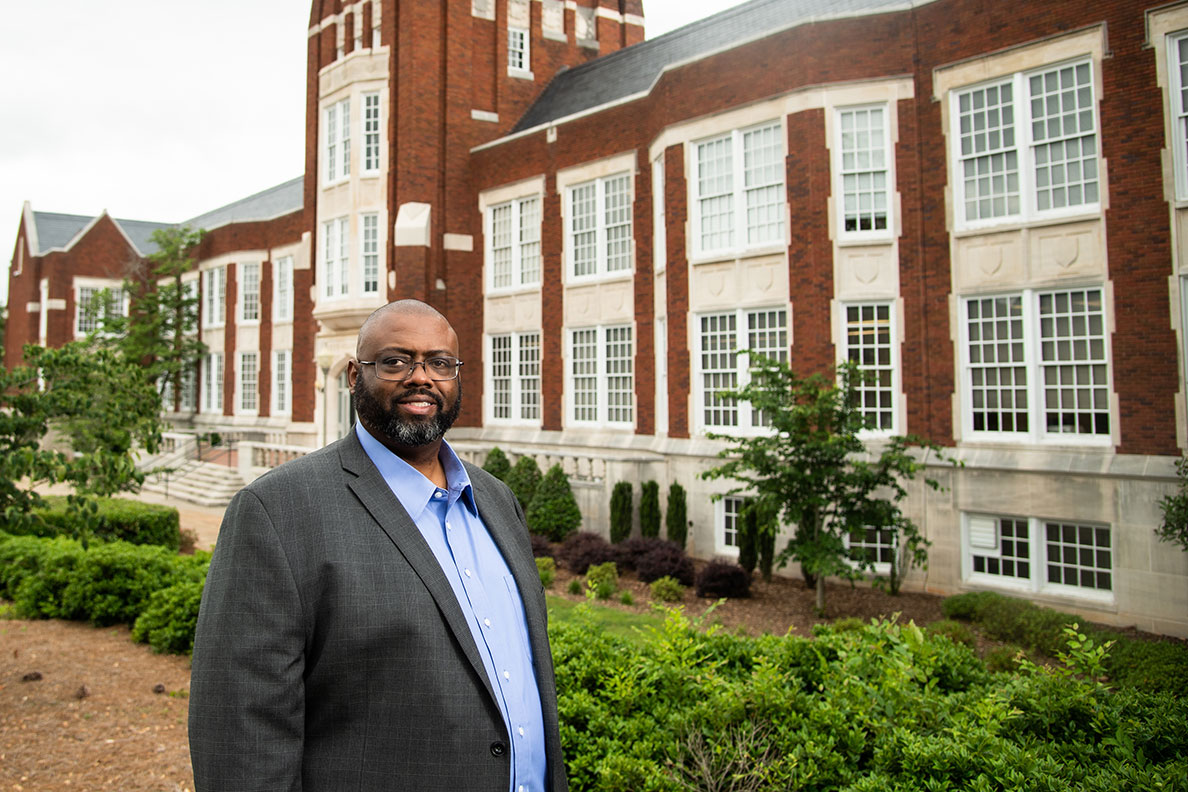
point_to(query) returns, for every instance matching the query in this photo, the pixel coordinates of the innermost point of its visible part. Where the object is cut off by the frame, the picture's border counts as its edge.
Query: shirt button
(507, 675)
(521, 734)
(467, 572)
(522, 788)
(438, 494)
(487, 622)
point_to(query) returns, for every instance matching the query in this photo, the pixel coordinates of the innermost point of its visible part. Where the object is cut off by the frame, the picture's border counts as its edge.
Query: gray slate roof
(635, 70)
(55, 230)
(265, 205)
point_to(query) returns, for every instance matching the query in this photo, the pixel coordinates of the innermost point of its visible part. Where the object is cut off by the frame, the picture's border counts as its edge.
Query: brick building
(983, 202)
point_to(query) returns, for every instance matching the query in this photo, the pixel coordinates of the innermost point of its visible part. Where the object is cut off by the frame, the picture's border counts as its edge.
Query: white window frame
(518, 245)
(335, 249)
(369, 245)
(214, 297)
(749, 420)
(282, 381)
(248, 295)
(212, 383)
(862, 356)
(247, 383)
(1028, 343)
(733, 194)
(519, 55)
(282, 290)
(602, 374)
(189, 391)
(879, 546)
(336, 152)
(728, 516)
(597, 225)
(981, 535)
(371, 133)
(1025, 148)
(861, 157)
(85, 291)
(514, 369)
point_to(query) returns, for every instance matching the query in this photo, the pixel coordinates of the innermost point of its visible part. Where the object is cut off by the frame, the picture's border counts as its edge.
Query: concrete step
(203, 483)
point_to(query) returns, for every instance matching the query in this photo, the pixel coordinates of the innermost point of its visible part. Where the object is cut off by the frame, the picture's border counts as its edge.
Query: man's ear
(352, 373)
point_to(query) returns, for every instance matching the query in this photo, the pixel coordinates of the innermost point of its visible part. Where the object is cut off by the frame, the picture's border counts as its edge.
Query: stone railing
(257, 458)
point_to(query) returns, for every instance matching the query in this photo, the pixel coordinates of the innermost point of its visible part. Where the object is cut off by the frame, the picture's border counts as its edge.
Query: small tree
(553, 511)
(523, 478)
(813, 469)
(676, 523)
(496, 464)
(748, 533)
(160, 332)
(620, 511)
(1174, 528)
(649, 509)
(98, 402)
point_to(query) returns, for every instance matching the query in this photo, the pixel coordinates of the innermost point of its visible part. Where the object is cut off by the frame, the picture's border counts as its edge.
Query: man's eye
(395, 362)
(440, 364)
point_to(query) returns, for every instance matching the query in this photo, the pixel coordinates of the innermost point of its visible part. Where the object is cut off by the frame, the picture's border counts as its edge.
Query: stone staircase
(203, 483)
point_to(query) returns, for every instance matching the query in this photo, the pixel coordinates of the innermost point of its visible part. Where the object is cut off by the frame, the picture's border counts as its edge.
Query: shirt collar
(408, 484)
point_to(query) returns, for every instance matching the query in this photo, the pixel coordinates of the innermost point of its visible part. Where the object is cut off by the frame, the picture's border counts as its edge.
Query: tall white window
(517, 49)
(370, 254)
(249, 375)
(189, 391)
(214, 297)
(1037, 555)
(862, 165)
(1026, 146)
(739, 190)
(282, 284)
(212, 382)
(249, 292)
(91, 311)
(336, 257)
(721, 367)
(371, 132)
(729, 514)
(281, 381)
(515, 377)
(513, 243)
(870, 345)
(600, 226)
(1036, 366)
(338, 141)
(602, 375)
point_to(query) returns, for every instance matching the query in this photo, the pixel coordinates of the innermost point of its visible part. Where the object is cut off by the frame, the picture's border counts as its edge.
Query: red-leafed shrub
(723, 579)
(581, 550)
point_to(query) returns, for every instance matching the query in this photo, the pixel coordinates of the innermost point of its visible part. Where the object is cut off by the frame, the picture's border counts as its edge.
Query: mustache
(423, 395)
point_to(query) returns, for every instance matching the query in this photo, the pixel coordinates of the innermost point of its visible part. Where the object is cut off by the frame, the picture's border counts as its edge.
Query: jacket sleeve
(247, 697)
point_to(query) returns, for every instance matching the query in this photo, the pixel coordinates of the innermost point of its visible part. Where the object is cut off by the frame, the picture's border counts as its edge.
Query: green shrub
(955, 631)
(1004, 659)
(626, 599)
(666, 589)
(170, 618)
(748, 550)
(118, 519)
(36, 573)
(497, 464)
(649, 510)
(620, 511)
(603, 579)
(546, 567)
(575, 586)
(1147, 666)
(676, 521)
(523, 480)
(553, 512)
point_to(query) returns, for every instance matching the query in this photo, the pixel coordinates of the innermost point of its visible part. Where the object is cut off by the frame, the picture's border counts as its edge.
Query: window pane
(863, 170)
(1063, 126)
(989, 162)
(1079, 556)
(1073, 363)
(719, 370)
(998, 374)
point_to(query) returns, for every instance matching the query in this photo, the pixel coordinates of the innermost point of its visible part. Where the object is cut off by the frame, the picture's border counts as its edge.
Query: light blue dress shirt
(487, 593)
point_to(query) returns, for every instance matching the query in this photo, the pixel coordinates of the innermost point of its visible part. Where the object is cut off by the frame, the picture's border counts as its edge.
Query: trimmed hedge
(497, 463)
(676, 525)
(621, 511)
(119, 519)
(649, 509)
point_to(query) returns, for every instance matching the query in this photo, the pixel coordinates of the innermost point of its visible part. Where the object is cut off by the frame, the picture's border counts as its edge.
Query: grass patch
(620, 623)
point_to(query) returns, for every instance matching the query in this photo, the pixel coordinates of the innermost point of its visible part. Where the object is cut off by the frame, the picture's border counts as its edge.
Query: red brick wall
(676, 214)
(645, 287)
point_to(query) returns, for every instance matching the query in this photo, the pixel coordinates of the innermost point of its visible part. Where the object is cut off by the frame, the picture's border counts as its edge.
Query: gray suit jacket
(331, 653)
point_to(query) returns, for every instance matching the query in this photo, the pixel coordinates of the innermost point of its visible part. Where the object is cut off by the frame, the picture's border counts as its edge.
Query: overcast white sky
(160, 110)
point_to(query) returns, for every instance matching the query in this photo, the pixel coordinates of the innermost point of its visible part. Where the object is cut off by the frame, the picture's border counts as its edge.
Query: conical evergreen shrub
(649, 509)
(496, 464)
(675, 520)
(523, 478)
(553, 511)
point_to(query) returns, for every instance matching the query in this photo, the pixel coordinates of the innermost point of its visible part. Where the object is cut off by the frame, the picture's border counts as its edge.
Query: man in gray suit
(373, 618)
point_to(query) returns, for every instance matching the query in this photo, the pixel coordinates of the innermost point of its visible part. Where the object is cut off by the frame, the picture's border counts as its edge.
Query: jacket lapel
(375, 495)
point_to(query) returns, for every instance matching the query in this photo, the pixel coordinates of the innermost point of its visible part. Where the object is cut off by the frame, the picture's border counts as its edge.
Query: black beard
(403, 430)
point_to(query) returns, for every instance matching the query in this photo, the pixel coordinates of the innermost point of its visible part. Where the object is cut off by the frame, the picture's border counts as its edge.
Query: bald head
(410, 308)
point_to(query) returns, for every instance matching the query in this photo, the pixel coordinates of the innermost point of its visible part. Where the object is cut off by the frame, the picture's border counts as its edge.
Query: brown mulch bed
(94, 721)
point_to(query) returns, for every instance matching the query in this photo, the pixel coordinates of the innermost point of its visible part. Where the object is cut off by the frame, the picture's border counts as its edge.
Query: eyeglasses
(397, 368)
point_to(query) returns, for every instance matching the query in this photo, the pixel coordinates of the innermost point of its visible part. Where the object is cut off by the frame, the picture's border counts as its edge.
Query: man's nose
(418, 371)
